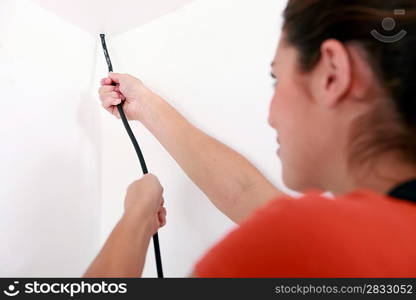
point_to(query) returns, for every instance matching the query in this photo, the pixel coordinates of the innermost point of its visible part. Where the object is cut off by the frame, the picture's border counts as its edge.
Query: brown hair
(308, 23)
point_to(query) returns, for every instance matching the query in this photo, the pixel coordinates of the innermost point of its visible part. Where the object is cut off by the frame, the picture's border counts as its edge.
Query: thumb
(115, 77)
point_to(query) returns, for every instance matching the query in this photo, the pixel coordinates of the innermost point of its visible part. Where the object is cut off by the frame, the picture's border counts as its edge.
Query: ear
(333, 74)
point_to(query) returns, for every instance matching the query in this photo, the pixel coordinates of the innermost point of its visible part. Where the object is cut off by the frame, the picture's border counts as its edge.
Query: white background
(65, 163)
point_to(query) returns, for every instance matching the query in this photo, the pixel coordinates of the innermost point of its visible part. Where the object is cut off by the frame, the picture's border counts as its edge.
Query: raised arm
(229, 180)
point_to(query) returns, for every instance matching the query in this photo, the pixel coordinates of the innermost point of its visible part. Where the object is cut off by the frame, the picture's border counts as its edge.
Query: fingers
(162, 221)
(108, 88)
(108, 84)
(115, 77)
(146, 195)
(162, 216)
(114, 111)
(162, 211)
(149, 185)
(153, 180)
(150, 176)
(109, 99)
(110, 96)
(117, 90)
(106, 81)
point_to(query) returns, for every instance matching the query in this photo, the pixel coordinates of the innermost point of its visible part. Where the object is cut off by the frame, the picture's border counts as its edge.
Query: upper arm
(252, 197)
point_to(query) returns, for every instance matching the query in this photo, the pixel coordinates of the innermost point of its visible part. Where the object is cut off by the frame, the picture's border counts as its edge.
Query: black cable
(139, 154)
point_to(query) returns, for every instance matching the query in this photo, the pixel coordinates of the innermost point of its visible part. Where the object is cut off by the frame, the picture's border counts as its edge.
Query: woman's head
(346, 88)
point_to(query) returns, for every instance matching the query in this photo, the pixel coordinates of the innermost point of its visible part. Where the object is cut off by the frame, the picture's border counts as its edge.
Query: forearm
(231, 182)
(124, 253)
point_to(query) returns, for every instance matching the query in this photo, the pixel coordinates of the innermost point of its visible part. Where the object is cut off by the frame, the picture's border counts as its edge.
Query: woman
(344, 108)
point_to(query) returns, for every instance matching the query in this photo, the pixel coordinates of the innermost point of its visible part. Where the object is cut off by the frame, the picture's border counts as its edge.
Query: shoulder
(290, 231)
(269, 236)
(311, 208)
(322, 216)
(318, 207)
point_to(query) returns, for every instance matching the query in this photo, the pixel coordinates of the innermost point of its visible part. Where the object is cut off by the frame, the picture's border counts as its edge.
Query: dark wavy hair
(308, 23)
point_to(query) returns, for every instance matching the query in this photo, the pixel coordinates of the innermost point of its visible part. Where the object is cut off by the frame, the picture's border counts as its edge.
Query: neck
(385, 174)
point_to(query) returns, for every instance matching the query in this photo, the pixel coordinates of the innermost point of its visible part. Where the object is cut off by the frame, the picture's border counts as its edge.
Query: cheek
(290, 113)
(284, 109)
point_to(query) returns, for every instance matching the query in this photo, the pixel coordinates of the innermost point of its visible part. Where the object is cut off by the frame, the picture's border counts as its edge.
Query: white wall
(66, 164)
(49, 154)
(211, 60)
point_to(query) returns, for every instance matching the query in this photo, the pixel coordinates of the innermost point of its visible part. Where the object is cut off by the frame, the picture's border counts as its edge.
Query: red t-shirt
(361, 234)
